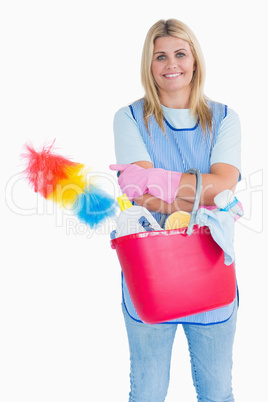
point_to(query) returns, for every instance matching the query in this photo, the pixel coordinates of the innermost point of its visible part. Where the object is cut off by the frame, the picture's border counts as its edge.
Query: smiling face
(173, 66)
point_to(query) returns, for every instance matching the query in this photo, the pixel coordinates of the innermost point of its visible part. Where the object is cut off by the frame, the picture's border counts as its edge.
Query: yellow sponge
(177, 220)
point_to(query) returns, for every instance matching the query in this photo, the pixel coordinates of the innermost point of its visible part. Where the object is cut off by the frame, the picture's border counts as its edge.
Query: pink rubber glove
(136, 181)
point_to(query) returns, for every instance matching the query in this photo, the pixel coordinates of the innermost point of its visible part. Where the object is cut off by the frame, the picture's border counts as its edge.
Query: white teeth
(172, 75)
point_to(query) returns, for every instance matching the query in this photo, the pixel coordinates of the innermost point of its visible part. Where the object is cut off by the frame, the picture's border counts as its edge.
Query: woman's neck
(175, 101)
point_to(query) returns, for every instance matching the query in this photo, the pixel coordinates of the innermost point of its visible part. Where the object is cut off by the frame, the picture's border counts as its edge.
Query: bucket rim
(153, 233)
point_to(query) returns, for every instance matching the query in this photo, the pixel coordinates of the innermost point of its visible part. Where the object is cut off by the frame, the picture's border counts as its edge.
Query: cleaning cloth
(221, 225)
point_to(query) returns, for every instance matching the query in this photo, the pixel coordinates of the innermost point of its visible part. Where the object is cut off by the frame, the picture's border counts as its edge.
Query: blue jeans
(210, 348)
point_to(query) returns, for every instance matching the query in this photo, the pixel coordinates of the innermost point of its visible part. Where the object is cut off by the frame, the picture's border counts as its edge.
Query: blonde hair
(197, 103)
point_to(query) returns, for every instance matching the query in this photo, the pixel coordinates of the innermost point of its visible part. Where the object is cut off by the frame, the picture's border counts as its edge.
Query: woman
(175, 127)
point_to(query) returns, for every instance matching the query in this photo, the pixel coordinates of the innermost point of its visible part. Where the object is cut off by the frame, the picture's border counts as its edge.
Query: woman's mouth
(173, 75)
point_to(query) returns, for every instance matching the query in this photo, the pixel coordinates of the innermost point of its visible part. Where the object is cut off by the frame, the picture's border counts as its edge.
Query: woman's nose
(172, 64)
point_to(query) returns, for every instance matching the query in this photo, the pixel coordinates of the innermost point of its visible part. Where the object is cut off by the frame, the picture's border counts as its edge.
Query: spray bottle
(134, 218)
(226, 201)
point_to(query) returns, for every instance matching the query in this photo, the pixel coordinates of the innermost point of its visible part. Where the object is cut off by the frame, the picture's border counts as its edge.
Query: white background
(66, 67)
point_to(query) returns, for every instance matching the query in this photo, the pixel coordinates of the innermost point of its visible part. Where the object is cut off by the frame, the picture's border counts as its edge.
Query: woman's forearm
(154, 204)
(221, 177)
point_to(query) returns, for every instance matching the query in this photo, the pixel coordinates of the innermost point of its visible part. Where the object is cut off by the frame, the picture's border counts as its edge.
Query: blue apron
(179, 150)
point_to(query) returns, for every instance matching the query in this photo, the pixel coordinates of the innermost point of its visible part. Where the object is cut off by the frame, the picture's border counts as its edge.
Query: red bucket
(171, 275)
(175, 273)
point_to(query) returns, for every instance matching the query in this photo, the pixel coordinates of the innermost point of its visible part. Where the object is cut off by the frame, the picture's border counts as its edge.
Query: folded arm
(222, 176)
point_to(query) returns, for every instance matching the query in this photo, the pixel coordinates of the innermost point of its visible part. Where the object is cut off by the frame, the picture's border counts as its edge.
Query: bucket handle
(195, 204)
(196, 199)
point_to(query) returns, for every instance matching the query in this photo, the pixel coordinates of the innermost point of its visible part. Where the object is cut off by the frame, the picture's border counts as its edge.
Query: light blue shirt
(130, 147)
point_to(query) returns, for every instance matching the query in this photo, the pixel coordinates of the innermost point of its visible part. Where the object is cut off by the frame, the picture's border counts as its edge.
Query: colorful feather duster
(65, 182)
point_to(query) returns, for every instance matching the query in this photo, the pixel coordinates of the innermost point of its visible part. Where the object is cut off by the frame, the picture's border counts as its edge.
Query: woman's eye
(164, 57)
